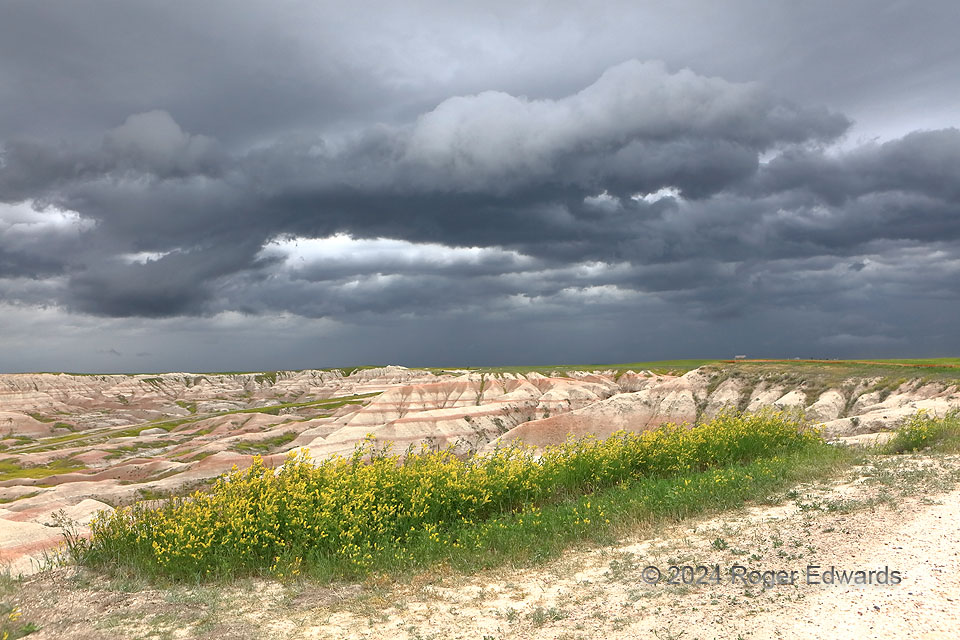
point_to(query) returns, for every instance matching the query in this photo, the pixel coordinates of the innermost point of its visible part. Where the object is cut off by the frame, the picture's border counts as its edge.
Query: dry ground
(898, 512)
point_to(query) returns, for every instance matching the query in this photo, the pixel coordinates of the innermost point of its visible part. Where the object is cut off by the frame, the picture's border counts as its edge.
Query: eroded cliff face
(77, 402)
(82, 443)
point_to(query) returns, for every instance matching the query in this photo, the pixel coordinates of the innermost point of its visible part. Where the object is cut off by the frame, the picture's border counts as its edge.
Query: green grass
(656, 366)
(18, 441)
(166, 425)
(20, 497)
(266, 376)
(139, 446)
(954, 362)
(148, 493)
(826, 370)
(189, 406)
(329, 403)
(381, 512)
(266, 445)
(198, 456)
(940, 369)
(535, 535)
(11, 468)
(275, 409)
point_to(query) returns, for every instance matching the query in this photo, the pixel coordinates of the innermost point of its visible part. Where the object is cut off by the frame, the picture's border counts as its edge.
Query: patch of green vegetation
(887, 386)
(188, 488)
(163, 474)
(908, 475)
(746, 392)
(182, 453)
(139, 446)
(23, 496)
(49, 443)
(835, 371)
(11, 468)
(344, 518)
(266, 376)
(329, 403)
(654, 366)
(166, 425)
(270, 411)
(64, 425)
(923, 431)
(146, 493)
(266, 445)
(936, 362)
(153, 382)
(39, 417)
(198, 456)
(716, 378)
(17, 441)
(189, 406)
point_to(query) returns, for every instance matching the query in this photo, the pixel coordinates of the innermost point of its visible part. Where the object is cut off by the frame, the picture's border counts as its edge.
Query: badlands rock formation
(71, 445)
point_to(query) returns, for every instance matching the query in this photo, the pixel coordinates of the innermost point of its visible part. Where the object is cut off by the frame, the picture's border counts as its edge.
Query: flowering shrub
(375, 508)
(923, 430)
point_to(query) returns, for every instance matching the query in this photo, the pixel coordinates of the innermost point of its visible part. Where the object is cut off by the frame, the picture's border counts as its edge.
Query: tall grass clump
(345, 517)
(923, 431)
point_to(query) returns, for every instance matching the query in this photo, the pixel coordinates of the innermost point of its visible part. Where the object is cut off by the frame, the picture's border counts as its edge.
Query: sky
(254, 185)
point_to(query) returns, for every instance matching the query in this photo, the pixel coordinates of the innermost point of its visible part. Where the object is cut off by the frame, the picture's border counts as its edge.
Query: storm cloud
(617, 206)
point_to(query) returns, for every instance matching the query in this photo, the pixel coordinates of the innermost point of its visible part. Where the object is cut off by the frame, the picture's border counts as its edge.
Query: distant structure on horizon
(739, 357)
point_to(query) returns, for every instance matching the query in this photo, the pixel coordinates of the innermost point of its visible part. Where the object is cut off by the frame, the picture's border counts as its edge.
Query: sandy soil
(897, 513)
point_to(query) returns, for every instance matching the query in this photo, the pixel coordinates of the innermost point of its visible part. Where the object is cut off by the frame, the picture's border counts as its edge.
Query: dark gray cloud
(432, 168)
(147, 144)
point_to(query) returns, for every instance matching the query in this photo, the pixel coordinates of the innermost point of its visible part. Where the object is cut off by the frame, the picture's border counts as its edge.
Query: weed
(621, 567)
(539, 616)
